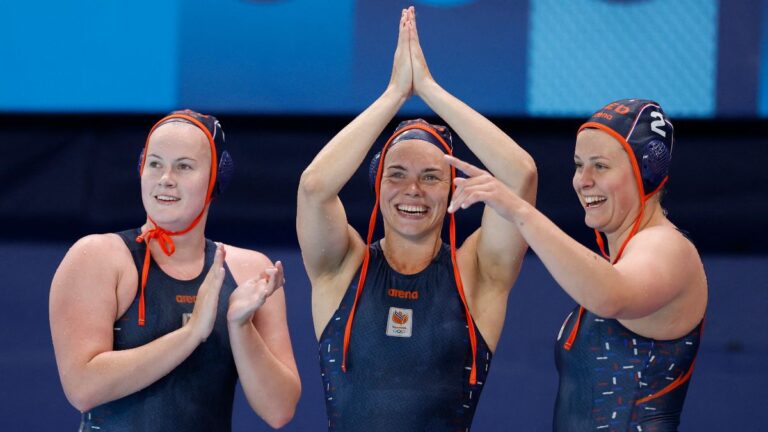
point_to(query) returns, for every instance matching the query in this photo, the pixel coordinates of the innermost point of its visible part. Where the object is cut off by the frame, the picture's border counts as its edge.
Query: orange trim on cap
(369, 238)
(158, 233)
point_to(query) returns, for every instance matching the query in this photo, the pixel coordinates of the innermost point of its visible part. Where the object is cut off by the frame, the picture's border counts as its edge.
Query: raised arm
(258, 335)
(656, 289)
(497, 247)
(325, 237)
(84, 306)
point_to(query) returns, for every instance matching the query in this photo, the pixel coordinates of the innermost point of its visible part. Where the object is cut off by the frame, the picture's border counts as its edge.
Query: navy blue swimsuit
(195, 396)
(613, 379)
(409, 357)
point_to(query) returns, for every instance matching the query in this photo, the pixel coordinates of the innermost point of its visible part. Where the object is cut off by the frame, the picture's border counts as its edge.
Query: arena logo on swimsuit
(185, 298)
(410, 295)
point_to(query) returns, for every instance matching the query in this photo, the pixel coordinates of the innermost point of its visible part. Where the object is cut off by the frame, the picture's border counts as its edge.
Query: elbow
(311, 183)
(609, 306)
(527, 182)
(280, 419)
(530, 174)
(81, 400)
(281, 415)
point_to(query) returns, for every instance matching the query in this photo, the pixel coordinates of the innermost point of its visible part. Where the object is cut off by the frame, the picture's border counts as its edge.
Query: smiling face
(604, 182)
(414, 189)
(174, 181)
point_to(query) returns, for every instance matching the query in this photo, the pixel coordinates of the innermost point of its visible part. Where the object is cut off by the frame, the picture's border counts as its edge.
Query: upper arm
(83, 303)
(499, 246)
(325, 237)
(657, 267)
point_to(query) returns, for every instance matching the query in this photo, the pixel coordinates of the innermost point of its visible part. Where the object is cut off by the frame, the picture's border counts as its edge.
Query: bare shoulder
(664, 241)
(667, 270)
(675, 263)
(245, 263)
(102, 250)
(91, 273)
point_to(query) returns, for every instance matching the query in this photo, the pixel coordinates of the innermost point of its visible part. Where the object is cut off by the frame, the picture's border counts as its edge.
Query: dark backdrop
(67, 176)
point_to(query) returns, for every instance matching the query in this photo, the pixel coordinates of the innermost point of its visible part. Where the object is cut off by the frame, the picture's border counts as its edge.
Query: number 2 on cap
(657, 124)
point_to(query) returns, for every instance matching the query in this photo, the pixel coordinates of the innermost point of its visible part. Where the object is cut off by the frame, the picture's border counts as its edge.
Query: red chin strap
(161, 235)
(366, 259)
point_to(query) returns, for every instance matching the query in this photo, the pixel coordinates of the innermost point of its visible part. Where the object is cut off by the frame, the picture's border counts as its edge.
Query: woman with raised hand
(626, 353)
(407, 324)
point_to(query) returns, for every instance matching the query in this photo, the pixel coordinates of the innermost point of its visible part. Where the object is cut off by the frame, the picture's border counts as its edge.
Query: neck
(409, 256)
(189, 246)
(652, 216)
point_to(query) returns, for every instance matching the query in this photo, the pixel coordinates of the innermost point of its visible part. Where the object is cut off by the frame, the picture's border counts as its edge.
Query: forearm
(271, 386)
(112, 375)
(346, 151)
(500, 154)
(585, 276)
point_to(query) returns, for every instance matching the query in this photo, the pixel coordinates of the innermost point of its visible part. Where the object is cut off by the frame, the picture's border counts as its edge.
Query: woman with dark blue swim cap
(152, 327)
(406, 325)
(626, 353)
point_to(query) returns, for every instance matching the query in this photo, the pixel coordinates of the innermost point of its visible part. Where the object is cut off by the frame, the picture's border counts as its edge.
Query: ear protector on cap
(654, 163)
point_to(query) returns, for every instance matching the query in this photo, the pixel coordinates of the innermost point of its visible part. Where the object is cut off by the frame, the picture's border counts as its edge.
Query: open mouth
(593, 201)
(167, 199)
(411, 210)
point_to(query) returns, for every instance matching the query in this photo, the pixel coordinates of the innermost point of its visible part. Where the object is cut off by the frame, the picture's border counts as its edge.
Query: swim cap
(646, 134)
(226, 166)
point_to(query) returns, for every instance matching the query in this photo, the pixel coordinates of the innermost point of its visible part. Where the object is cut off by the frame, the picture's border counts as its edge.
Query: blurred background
(82, 82)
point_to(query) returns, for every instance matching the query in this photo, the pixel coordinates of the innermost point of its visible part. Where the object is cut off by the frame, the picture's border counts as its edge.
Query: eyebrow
(591, 158)
(424, 171)
(177, 160)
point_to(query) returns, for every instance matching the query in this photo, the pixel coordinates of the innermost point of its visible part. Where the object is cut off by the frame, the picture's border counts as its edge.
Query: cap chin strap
(601, 244)
(366, 259)
(161, 235)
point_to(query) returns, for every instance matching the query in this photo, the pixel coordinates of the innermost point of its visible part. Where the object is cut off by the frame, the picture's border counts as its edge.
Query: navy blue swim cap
(646, 134)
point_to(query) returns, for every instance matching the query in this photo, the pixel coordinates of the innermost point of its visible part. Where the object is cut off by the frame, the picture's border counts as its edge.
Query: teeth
(412, 208)
(166, 198)
(593, 199)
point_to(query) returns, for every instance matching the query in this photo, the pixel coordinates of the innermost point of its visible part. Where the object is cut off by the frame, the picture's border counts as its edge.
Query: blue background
(540, 58)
